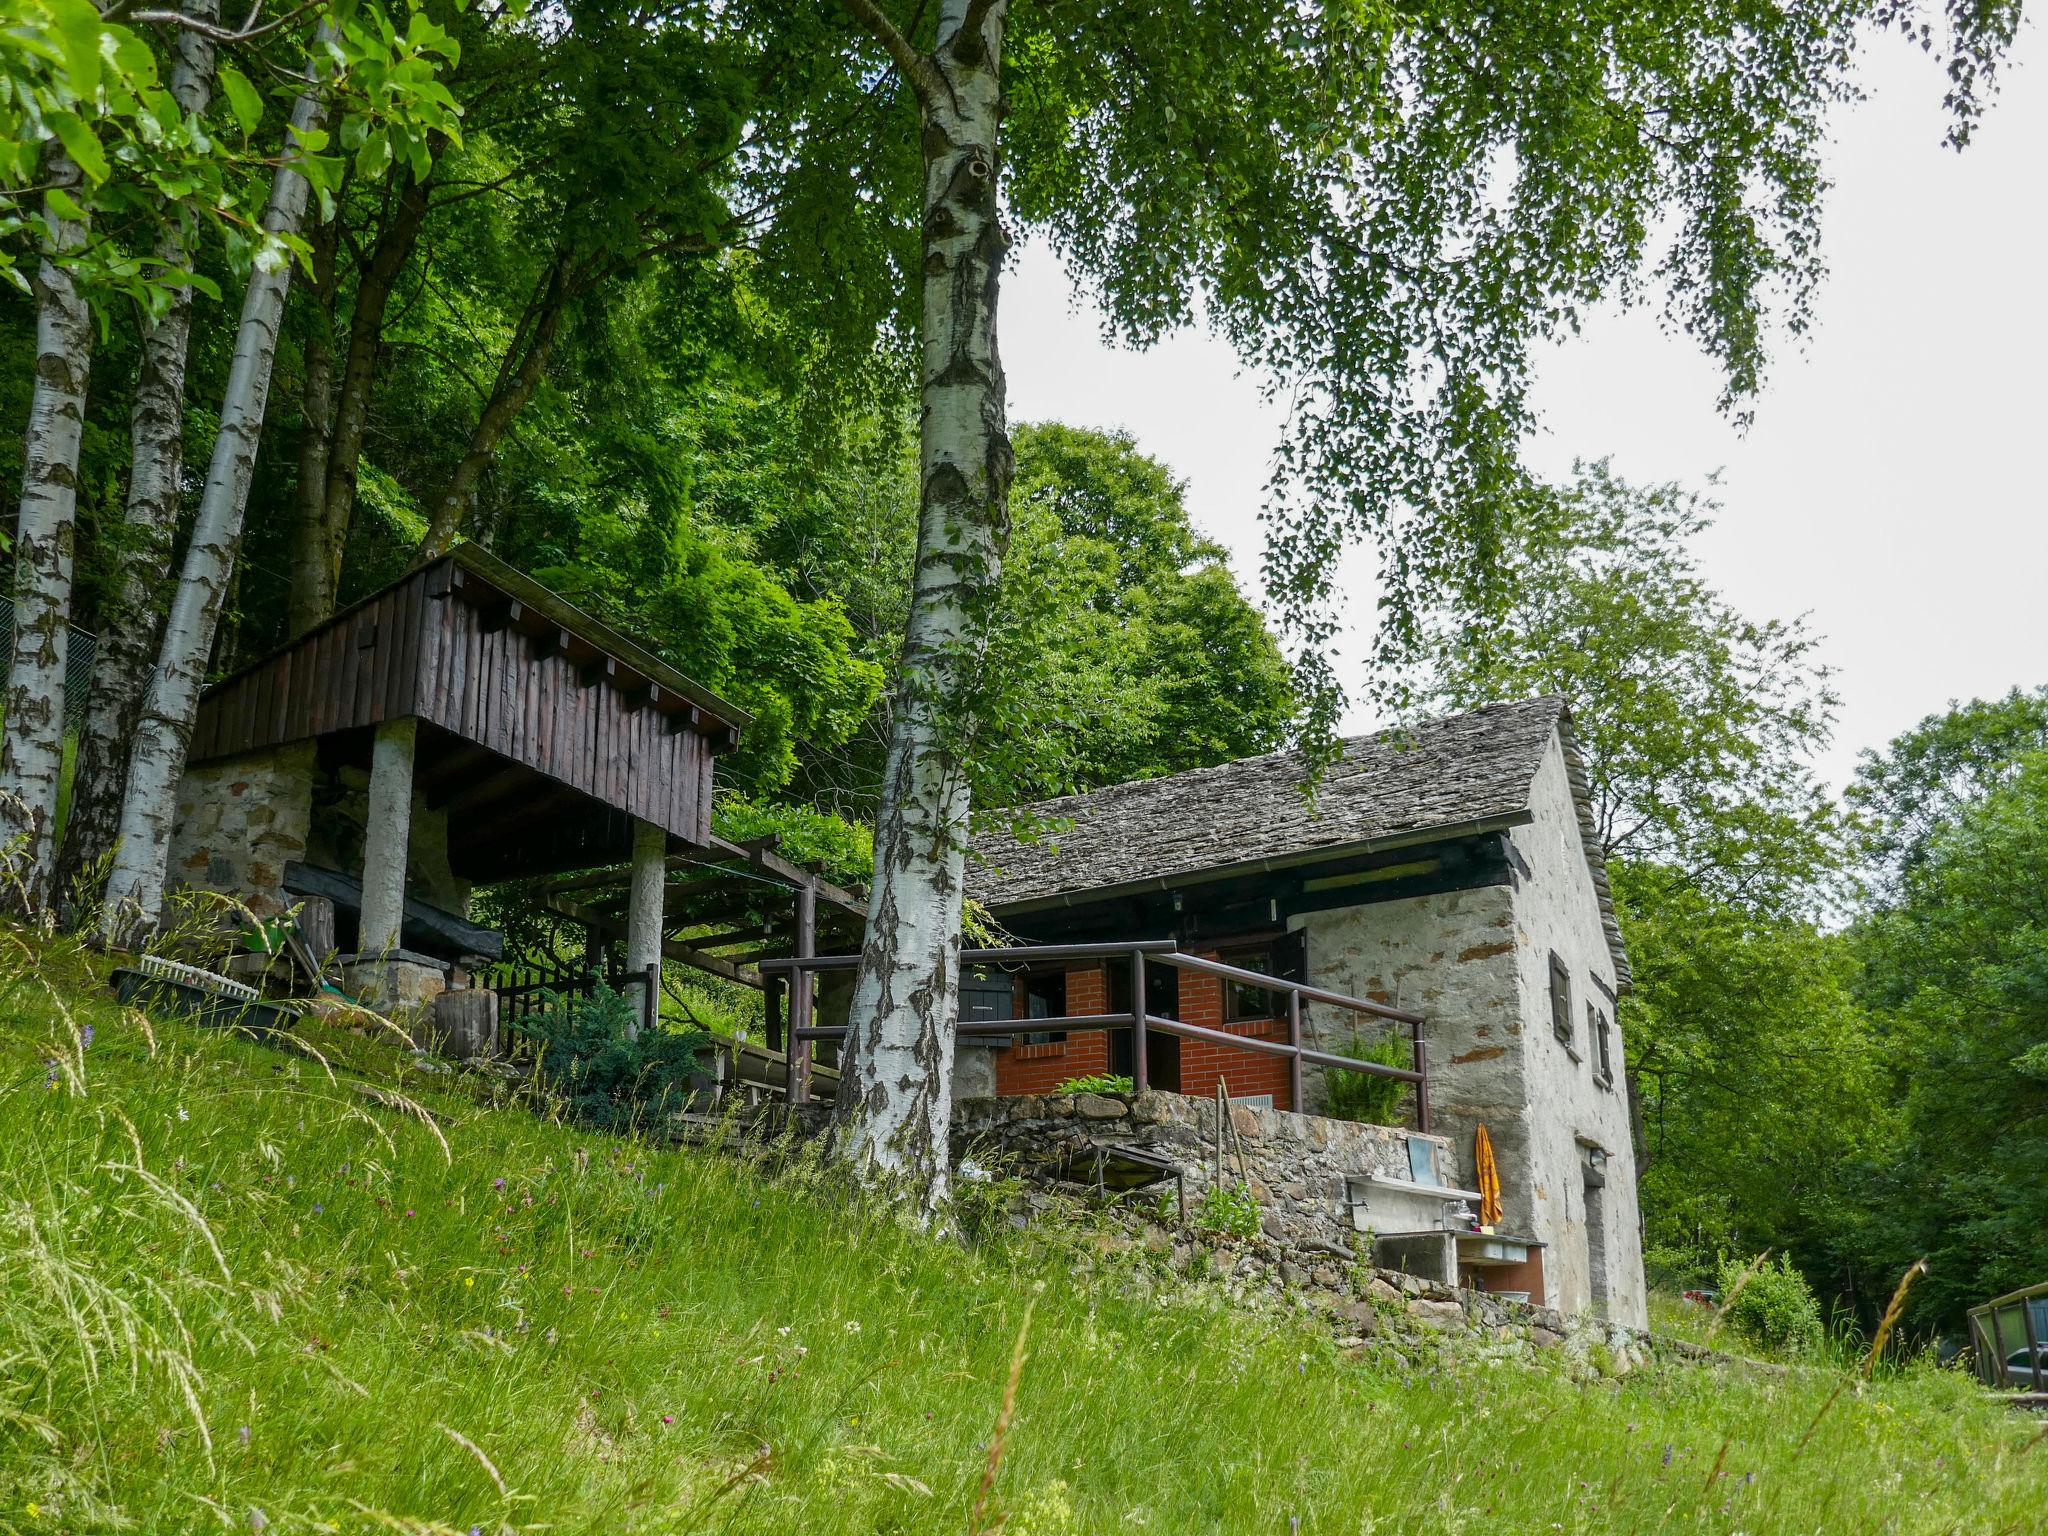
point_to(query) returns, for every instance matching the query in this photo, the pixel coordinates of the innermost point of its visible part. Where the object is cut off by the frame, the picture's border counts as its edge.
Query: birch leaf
(243, 99)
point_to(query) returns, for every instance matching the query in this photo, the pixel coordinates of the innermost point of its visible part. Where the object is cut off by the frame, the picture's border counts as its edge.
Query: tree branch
(967, 43)
(913, 66)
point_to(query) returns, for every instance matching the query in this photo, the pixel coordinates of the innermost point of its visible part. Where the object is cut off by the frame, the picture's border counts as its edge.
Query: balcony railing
(802, 971)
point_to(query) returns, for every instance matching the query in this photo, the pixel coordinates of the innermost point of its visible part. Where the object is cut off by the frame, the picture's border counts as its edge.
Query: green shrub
(1098, 1082)
(1230, 1209)
(605, 1078)
(1775, 1308)
(1366, 1096)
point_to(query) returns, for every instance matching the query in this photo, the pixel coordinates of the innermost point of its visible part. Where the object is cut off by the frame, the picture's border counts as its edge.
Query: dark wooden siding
(487, 685)
(358, 671)
(422, 648)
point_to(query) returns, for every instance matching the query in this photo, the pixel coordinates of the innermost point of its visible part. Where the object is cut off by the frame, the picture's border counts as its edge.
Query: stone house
(1451, 869)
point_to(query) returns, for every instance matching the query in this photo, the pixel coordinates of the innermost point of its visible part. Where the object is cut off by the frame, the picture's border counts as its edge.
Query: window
(1601, 1028)
(1045, 997)
(1285, 957)
(1162, 989)
(1561, 1002)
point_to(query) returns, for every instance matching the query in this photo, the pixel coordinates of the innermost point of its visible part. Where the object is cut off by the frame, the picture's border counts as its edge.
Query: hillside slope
(239, 1294)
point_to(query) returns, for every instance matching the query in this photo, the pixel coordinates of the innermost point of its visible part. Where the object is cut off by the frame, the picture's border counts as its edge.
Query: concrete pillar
(388, 835)
(644, 911)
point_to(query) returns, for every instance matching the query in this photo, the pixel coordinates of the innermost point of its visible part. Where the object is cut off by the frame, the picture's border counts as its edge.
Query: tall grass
(238, 1294)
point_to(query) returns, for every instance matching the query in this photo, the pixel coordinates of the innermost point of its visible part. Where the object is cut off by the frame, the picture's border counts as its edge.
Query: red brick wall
(1203, 1063)
(1042, 1068)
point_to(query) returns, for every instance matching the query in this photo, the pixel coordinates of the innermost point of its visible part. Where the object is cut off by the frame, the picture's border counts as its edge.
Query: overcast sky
(1891, 486)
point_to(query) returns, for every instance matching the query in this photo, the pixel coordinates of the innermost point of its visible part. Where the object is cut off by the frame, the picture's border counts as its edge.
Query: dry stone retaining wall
(1299, 1167)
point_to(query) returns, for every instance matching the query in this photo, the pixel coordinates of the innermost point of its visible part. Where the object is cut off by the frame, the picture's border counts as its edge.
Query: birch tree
(32, 747)
(156, 434)
(134, 892)
(1388, 212)
(896, 1092)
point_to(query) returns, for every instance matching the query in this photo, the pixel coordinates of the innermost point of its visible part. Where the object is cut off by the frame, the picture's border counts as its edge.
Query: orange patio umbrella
(1489, 1178)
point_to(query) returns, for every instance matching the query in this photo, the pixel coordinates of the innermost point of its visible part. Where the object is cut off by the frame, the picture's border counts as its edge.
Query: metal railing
(2010, 1339)
(803, 1032)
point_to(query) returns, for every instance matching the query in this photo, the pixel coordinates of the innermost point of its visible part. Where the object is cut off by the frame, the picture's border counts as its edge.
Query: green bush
(1230, 1209)
(1775, 1308)
(1366, 1096)
(605, 1078)
(1098, 1082)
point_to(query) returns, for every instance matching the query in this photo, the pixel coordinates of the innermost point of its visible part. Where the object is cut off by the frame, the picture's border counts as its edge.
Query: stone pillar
(387, 837)
(644, 913)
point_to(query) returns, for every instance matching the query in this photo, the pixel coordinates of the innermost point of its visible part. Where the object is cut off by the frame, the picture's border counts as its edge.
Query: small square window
(1045, 997)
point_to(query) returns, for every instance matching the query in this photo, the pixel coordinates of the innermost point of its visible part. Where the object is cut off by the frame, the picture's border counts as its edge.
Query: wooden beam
(452, 771)
(682, 954)
(545, 804)
(482, 793)
(722, 940)
(549, 641)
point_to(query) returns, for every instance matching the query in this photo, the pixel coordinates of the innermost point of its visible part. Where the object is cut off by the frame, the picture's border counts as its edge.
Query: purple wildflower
(85, 1037)
(242, 1434)
(318, 1208)
(50, 1078)
(1667, 1455)
(497, 1183)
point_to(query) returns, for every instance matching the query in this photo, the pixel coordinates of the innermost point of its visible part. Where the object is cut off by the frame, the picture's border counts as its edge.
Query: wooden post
(1138, 1063)
(1294, 1061)
(387, 837)
(1422, 1087)
(771, 1008)
(801, 982)
(644, 916)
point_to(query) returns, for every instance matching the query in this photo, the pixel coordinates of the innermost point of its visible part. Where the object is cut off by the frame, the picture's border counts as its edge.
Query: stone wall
(1477, 965)
(1300, 1167)
(240, 821)
(1594, 1259)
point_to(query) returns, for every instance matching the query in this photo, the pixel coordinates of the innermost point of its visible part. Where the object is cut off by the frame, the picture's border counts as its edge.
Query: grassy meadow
(241, 1291)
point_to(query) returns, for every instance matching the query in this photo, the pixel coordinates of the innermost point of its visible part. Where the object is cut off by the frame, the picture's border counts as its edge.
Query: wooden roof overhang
(544, 734)
(724, 908)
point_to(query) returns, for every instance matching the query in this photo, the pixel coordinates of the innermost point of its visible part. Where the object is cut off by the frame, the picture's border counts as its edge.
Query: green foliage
(1097, 1082)
(1366, 1096)
(1228, 1209)
(1957, 970)
(93, 85)
(605, 1077)
(1775, 1310)
(602, 1321)
(1392, 211)
(1762, 1085)
(1929, 775)
(1697, 723)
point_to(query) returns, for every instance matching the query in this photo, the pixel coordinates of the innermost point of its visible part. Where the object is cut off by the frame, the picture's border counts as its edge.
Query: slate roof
(1472, 771)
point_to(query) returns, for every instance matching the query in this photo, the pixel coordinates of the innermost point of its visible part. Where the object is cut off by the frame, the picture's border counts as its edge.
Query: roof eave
(1088, 895)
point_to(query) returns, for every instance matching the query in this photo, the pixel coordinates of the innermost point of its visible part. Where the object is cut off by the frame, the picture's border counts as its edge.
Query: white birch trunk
(32, 747)
(896, 1078)
(135, 888)
(156, 438)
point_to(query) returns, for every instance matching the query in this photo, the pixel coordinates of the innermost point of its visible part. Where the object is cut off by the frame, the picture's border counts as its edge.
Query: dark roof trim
(1305, 859)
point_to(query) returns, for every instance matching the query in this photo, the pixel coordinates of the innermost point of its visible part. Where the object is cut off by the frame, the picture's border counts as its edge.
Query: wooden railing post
(650, 1008)
(1138, 1021)
(801, 981)
(1294, 1061)
(1422, 1082)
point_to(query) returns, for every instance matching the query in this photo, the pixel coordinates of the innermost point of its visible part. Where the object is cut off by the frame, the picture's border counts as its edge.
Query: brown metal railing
(802, 970)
